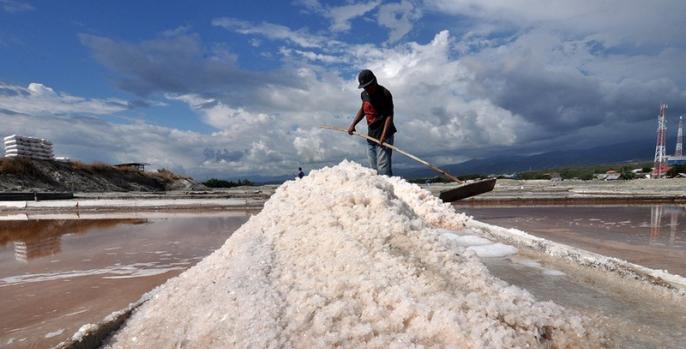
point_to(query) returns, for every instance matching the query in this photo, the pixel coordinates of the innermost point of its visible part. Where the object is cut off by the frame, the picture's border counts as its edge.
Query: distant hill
(638, 150)
(20, 174)
(620, 152)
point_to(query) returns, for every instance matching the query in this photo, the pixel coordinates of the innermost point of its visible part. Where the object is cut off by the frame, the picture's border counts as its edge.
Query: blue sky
(236, 89)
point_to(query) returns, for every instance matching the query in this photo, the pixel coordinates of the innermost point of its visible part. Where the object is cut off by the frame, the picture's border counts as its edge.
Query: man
(301, 174)
(377, 108)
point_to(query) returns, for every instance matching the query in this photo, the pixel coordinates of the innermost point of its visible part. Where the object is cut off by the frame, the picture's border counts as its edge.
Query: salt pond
(56, 275)
(649, 235)
(338, 257)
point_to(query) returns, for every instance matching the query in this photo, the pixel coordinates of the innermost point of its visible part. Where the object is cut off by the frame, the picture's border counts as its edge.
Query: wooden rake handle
(451, 177)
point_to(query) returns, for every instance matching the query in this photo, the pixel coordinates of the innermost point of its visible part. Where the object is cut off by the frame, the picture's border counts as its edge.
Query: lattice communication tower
(679, 151)
(660, 155)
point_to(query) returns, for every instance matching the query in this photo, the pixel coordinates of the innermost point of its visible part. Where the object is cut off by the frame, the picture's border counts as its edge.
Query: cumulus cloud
(191, 153)
(39, 99)
(558, 85)
(517, 78)
(224, 117)
(613, 21)
(399, 18)
(341, 16)
(178, 64)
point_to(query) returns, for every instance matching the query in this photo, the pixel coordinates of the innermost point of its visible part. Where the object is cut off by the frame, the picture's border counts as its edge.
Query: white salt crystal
(346, 258)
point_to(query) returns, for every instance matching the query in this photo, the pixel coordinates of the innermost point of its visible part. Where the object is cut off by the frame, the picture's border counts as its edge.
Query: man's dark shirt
(377, 107)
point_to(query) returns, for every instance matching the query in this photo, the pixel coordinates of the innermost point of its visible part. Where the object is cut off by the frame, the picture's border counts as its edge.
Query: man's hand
(351, 130)
(382, 140)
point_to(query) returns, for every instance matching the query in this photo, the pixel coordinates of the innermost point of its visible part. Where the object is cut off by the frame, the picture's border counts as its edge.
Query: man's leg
(384, 159)
(371, 155)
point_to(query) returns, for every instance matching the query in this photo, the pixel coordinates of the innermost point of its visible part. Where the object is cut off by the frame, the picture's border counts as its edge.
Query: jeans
(380, 158)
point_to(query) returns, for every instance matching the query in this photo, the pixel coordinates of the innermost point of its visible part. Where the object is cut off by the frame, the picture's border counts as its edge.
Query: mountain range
(631, 151)
(509, 163)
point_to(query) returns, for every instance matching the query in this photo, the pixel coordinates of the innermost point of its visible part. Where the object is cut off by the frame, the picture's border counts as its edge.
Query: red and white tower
(679, 151)
(660, 155)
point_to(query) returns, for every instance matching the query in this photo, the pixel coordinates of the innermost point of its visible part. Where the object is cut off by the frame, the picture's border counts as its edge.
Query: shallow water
(631, 316)
(650, 235)
(56, 275)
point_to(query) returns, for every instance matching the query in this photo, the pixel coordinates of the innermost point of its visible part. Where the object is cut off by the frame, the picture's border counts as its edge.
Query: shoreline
(256, 203)
(571, 201)
(666, 286)
(124, 205)
(506, 192)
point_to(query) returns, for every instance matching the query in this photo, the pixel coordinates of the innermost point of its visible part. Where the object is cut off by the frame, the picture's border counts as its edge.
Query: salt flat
(347, 258)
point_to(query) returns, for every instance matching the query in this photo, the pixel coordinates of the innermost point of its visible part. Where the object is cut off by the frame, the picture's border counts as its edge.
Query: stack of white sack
(346, 258)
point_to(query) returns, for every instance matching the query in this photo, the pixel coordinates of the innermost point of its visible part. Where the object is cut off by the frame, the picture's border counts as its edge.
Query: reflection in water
(30, 249)
(648, 235)
(103, 265)
(656, 214)
(34, 239)
(655, 223)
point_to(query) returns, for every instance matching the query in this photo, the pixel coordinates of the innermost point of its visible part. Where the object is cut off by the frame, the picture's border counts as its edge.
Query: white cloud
(221, 116)
(15, 6)
(310, 146)
(516, 77)
(341, 16)
(312, 5)
(271, 31)
(612, 21)
(313, 56)
(39, 99)
(399, 18)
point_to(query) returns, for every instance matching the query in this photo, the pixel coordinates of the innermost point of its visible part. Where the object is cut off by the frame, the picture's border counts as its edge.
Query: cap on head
(365, 78)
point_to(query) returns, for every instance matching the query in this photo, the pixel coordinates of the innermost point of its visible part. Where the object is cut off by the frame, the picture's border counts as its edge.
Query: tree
(675, 170)
(221, 183)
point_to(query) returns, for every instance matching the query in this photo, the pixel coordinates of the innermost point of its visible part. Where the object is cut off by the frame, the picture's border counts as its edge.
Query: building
(610, 175)
(555, 176)
(138, 166)
(29, 147)
(676, 160)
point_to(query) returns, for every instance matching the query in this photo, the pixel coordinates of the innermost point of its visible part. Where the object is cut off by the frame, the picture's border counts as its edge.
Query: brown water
(652, 235)
(56, 275)
(631, 315)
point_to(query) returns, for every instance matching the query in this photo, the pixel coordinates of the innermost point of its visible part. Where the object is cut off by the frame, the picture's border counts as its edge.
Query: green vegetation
(96, 167)
(675, 170)
(587, 172)
(221, 183)
(577, 172)
(85, 176)
(18, 167)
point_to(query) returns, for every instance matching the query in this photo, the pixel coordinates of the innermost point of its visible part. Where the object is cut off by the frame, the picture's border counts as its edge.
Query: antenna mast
(660, 157)
(680, 138)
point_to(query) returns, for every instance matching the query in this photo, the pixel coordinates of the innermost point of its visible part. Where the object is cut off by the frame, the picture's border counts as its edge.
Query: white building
(30, 147)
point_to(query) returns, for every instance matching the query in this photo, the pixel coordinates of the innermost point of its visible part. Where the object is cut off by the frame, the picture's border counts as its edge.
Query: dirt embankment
(18, 174)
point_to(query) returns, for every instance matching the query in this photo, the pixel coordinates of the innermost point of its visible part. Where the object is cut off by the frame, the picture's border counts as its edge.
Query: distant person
(301, 174)
(377, 108)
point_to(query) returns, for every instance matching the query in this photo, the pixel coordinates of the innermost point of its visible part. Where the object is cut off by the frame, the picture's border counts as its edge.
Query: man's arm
(386, 126)
(389, 118)
(358, 117)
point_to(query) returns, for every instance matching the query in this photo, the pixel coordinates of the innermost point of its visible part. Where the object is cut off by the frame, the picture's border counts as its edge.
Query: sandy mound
(346, 258)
